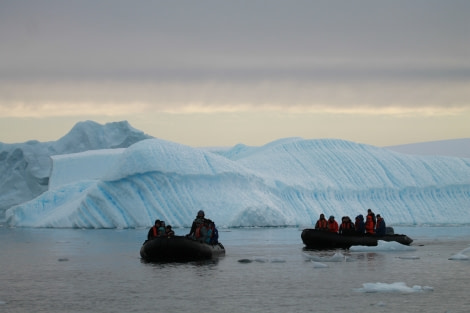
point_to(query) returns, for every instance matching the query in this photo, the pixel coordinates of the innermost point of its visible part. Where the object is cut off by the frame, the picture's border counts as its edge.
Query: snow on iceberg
(91, 164)
(288, 182)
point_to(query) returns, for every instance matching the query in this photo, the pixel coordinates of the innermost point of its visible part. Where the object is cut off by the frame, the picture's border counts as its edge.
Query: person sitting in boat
(380, 226)
(203, 232)
(370, 223)
(154, 230)
(208, 225)
(322, 223)
(162, 229)
(372, 214)
(169, 232)
(215, 234)
(359, 225)
(347, 226)
(196, 223)
(332, 225)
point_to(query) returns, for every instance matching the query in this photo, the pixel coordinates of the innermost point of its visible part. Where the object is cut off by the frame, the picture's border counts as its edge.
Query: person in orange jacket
(370, 222)
(322, 223)
(332, 225)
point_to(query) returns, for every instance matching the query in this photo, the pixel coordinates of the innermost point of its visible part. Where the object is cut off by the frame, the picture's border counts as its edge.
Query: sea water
(264, 270)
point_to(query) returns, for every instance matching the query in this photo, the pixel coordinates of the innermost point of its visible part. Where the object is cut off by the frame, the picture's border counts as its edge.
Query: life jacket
(369, 224)
(332, 226)
(322, 224)
(197, 233)
(346, 225)
(154, 231)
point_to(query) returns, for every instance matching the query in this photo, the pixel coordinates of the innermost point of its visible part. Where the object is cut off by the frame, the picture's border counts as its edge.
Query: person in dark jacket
(196, 223)
(359, 225)
(347, 226)
(169, 232)
(214, 239)
(380, 227)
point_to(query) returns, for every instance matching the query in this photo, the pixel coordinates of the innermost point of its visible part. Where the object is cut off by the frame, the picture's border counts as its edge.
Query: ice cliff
(288, 182)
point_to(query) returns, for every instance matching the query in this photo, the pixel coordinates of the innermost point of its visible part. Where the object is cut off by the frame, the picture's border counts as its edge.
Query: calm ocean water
(265, 270)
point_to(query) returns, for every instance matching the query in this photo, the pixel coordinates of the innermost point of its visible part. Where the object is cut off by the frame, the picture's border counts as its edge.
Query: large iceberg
(25, 167)
(288, 182)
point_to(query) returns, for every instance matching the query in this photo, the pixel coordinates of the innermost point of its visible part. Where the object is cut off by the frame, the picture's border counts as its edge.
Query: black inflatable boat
(316, 239)
(179, 248)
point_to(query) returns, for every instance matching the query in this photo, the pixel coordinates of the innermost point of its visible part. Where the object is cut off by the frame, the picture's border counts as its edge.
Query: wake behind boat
(317, 239)
(179, 248)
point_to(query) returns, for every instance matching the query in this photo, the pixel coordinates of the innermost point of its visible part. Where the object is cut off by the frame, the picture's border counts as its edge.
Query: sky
(211, 73)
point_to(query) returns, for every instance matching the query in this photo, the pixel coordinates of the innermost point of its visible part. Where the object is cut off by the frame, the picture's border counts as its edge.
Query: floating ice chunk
(399, 287)
(383, 246)
(460, 255)
(262, 260)
(409, 257)
(319, 264)
(337, 257)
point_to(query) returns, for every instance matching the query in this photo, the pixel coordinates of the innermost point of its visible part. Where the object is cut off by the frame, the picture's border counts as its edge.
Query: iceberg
(398, 287)
(287, 182)
(25, 168)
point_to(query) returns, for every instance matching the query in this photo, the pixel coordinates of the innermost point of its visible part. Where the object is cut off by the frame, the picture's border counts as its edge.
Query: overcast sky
(226, 72)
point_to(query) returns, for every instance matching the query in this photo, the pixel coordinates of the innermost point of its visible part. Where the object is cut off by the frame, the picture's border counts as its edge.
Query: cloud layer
(118, 58)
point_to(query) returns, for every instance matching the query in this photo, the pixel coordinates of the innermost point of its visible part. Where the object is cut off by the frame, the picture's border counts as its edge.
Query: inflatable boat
(317, 239)
(179, 248)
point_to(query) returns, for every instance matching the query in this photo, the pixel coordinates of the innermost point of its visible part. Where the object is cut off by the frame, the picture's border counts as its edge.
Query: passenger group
(202, 229)
(160, 230)
(373, 225)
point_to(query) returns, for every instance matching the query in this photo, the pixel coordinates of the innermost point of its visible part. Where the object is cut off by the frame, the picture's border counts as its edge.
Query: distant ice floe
(461, 256)
(262, 260)
(337, 257)
(383, 246)
(319, 264)
(409, 257)
(318, 260)
(399, 287)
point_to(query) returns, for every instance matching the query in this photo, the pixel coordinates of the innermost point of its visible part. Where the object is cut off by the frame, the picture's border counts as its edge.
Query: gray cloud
(240, 47)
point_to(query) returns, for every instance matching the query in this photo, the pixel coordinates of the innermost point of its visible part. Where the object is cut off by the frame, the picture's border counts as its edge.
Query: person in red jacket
(154, 230)
(322, 223)
(332, 225)
(370, 222)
